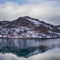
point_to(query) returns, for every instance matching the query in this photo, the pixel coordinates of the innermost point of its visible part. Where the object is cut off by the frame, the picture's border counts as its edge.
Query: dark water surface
(25, 47)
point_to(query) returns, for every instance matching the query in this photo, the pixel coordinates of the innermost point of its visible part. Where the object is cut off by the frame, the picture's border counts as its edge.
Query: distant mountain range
(29, 27)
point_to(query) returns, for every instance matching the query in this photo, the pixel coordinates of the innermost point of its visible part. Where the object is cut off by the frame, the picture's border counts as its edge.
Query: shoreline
(28, 38)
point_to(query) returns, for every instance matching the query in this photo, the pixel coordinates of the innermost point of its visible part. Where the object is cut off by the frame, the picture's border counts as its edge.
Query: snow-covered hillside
(27, 27)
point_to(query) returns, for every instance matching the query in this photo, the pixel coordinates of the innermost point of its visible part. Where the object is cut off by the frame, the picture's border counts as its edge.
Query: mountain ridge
(30, 27)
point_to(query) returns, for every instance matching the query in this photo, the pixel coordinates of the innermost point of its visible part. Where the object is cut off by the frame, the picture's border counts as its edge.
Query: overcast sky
(46, 10)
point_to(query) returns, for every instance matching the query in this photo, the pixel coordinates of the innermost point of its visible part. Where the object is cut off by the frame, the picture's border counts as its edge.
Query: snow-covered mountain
(27, 27)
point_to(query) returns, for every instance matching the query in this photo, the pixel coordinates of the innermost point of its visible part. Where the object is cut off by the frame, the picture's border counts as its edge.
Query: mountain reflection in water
(32, 48)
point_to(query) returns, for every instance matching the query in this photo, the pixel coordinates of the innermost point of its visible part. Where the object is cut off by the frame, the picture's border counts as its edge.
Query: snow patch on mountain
(37, 23)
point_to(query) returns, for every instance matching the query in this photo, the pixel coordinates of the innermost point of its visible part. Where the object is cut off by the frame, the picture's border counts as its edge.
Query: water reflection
(23, 47)
(26, 43)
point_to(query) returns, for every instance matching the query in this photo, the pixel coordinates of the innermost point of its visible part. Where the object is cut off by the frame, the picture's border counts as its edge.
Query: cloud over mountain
(45, 10)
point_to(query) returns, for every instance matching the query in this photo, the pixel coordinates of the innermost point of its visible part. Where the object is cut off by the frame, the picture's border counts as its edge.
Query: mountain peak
(27, 19)
(30, 27)
(26, 16)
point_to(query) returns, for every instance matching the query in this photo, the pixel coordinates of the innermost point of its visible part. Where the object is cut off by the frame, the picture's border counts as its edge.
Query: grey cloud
(41, 1)
(45, 11)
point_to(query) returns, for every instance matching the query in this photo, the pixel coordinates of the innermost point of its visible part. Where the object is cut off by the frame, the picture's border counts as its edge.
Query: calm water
(12, 48)
(26, 43)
